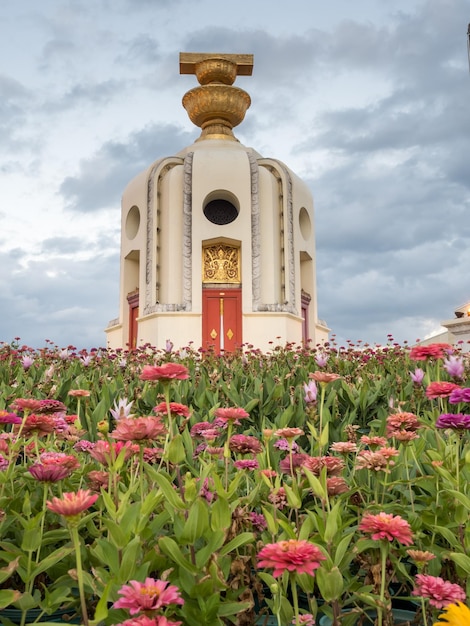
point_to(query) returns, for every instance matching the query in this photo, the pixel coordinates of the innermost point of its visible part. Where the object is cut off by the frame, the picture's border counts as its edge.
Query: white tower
(217, 245)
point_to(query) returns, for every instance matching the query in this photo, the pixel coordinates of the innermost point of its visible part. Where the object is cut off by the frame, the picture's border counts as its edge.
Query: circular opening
(220, 212)
(305, 223)
(132, 222)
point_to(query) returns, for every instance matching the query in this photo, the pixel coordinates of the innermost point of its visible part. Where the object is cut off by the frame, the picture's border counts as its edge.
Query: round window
(305, 223)
(132, 222)
(220, 212)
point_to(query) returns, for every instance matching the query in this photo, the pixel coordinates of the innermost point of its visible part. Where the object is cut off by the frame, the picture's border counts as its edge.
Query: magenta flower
(258, 520)
(460, 395)
(9, 418)
(387, 526)
(151, 595)
(438, 591)
(294, 555)
(457, 421)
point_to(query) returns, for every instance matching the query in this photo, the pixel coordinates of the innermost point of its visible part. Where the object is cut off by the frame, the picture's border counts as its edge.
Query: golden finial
(216, 106)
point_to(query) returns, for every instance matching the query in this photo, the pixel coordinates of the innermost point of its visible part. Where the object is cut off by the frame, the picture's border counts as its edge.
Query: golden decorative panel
(221, 264)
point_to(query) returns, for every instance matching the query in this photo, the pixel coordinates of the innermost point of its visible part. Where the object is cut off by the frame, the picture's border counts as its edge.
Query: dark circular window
(220, 212)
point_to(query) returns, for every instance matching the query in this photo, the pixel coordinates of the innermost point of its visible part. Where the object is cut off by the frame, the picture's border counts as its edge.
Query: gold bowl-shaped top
(216, 70)
(216, 104)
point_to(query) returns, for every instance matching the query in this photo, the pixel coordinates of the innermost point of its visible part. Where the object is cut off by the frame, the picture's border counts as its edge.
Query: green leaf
(130, 559)
(51, 560)
(221, 514)
(462, 560)
(237, 542)
(176, 453)
(171, 549)
(167, 489)
(8, 596)
(197, 523)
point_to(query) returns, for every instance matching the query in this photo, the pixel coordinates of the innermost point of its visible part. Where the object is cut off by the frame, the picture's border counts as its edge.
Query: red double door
(221, 319)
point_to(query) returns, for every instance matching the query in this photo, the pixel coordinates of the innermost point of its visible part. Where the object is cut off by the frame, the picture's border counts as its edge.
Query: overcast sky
(366, 100)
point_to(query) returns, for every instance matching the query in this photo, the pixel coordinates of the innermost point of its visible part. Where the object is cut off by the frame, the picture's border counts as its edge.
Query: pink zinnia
(165, 372)
(440, 389)
(439, 592)
(324, 377)
(139, 429)
(387, 526)
(401, 421)
(231, 414)
(293, 555)
(144, 620)
(151, 595)
(41, 424)
(72, 503)
(343, 447)
(289, 433)
(375, 440)
(334, 465)
(375, 461)
(26, 404)
(60, 459)
(106, 452)
(79, 393)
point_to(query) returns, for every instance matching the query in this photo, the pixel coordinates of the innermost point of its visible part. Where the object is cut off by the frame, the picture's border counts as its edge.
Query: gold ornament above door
(221, 264)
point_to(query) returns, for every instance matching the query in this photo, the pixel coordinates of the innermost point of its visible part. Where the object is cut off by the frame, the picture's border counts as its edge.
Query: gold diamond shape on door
(229, 333)
(213, 333)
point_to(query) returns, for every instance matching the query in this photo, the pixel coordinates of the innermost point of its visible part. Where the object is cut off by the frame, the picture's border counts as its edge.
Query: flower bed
(158, 488)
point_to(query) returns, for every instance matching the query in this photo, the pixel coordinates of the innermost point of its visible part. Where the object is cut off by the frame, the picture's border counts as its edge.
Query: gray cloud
(103, 177)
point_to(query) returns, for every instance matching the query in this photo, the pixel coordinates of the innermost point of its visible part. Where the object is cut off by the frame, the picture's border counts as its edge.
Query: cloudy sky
(368, 101)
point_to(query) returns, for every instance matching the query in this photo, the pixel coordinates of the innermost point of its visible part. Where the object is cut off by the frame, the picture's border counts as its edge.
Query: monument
(217, 243)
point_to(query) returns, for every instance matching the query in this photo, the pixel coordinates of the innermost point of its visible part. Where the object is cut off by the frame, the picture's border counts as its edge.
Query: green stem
(78, 556)
(295, 597)
(383, 555)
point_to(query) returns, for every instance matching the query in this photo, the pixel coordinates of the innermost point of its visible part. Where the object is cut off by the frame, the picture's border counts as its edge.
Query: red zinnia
(433, 351)
(440, 389)
(294, 555)
(150, 595)
(387, 526)
(175, 409)
(165, 372)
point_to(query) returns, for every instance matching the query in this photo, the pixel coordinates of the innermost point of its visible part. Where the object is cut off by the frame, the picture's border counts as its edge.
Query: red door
(133, 300)
(221, 319)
